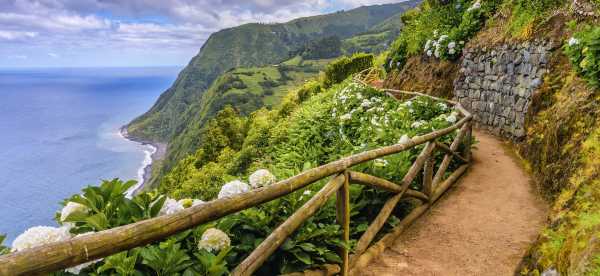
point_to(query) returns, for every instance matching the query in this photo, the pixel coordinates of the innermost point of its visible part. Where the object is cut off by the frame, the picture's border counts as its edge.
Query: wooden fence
(78, 250)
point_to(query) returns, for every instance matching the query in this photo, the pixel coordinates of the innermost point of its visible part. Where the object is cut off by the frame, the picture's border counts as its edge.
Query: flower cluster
(438, 46)
(170, 206)
(233, 188)
(214, 240)
(261, 178)
(40, 235)
(573, 41)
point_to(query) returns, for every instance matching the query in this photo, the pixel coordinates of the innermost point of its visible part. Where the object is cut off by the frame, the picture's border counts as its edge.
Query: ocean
(59, 132)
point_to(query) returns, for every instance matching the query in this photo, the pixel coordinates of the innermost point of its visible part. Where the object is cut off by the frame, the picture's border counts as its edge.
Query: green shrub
(3, 249)
(583, 50)
(526, 14)
(340, 69)
(439, 29)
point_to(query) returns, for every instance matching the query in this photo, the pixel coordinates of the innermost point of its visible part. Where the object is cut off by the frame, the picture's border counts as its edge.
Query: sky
(124, 33)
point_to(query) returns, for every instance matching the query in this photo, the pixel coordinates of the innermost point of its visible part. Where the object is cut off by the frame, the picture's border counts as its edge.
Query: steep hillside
(246, 46)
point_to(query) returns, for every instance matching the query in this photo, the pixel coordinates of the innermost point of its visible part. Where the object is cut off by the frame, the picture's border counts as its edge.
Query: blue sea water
(59, 132)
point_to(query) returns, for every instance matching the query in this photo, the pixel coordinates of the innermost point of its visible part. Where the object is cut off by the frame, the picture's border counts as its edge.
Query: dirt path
(482, 226)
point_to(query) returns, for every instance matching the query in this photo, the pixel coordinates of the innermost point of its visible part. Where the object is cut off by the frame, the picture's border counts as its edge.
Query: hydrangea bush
(583, 50)
(439, 29)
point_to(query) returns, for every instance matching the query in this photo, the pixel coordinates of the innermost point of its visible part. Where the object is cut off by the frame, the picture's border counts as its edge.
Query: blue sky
(89, 33)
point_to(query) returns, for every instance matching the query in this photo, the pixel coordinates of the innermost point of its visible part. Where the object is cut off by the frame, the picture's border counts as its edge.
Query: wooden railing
(61, 255)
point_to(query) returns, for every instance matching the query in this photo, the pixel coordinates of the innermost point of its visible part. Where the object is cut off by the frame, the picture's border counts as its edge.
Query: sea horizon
(64, 126)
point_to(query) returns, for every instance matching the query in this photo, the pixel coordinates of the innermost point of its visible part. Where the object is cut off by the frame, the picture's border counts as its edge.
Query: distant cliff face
(251, 45)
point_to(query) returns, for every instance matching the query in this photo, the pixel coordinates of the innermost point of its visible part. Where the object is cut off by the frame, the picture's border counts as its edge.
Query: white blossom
(436, 53)
(442, 38)
(429, 53)
(233, 188)
(346, 117)
(366, 103)
(404, 139)
(475, 6)
(71, 208)
(451, 119)
(442, 106)
(188, 202)
(451, 45)
(170, 206)
(40, 235)
(417, 124)
(428, 44)
(573, 41)
(452, 51)
(214, 240)
(261, 178)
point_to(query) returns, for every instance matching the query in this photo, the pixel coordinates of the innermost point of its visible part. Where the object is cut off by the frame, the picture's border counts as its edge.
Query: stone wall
(497, 84)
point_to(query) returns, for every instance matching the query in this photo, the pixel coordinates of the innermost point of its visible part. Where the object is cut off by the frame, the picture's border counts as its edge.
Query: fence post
(468, 141)
(343, 218)
(428, 178)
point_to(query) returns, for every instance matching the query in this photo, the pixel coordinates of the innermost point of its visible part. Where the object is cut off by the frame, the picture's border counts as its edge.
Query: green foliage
(3, 249)
(108, 207)
(526, 14)
(343, 67)
(167, 258)
(121, 264)
(434, 25)
(583, 50)
(327, 47)
(246, 46)
(311, 132)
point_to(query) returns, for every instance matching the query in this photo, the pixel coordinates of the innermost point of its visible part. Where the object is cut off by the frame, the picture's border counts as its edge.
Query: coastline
(157, 152)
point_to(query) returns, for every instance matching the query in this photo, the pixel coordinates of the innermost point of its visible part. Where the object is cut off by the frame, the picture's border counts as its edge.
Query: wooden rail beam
(448, 157)
(447, 149)
(343, 218)
(278, 236)
(376, 182)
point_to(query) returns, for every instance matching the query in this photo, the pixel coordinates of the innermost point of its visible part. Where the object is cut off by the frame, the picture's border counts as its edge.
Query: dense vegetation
(313, 126)
(246, 46)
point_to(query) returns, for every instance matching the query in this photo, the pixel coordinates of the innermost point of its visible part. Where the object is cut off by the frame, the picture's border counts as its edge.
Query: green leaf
(303, 257)
(98, 221)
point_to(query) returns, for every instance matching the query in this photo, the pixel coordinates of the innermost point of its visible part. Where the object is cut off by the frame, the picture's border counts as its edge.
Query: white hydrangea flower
(428, 44)
(442, 106)
(379, 162)
(442, 38)
(573, 41)
(78, 268)
(436, 53)
(451, 45)
(346, 117)
(429, 53)
(261, 178)
(214, 240)
(417, 124)
(40, 235)
(70, 208)
(452, 51)
(404, 139)
(170, 206)
(475, 6)
(365, 103)
(451, 119)
(408, 103)
(233, 188)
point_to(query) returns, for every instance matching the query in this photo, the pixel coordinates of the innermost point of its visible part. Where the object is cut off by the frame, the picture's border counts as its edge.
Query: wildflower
(442, 106)
(40, 235)
(417, 124)
(475, 6)
(214, 240)
(442, 38)
(429, 53)
(374, 121)
(452, 51)
(170, 206)
(404, 139)
(452, 118)
(359, 96)
(365, 103)
(78, 268)
(307, 192)
(346, 117)
(436, 53)
(573, 41)
(451, 45)
(379, 162)
(71, 208)
(233, 188)
(261, 178)
(428, 44)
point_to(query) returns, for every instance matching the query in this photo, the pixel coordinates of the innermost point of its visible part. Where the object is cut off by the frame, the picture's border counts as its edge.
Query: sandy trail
(482, 226)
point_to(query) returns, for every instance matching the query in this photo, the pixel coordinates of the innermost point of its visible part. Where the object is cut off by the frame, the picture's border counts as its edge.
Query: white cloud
(53, 55)
(16, 35)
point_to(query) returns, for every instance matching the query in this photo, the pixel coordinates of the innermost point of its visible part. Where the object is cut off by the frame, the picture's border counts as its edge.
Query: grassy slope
(246, 46)
(260, 87)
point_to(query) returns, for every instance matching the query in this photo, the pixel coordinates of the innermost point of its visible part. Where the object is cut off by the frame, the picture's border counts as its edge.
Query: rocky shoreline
(159, 151)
